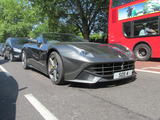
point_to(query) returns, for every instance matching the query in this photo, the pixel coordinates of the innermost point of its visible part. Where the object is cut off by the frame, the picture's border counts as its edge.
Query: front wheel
(142, 52)
(5, 57)
(11, 57)
(24, 60)
(55, 68)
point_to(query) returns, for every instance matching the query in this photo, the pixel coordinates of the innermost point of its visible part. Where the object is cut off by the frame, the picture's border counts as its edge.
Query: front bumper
(17, 55)
(86, 77)
(104, 72)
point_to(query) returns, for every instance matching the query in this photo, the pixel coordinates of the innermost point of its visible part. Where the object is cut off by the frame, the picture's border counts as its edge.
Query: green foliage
(17, 18)
(31, 17)
(40, 28)
(96, 36)
(85, 16)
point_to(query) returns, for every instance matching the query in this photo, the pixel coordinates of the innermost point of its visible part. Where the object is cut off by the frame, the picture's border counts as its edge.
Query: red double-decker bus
(136, 25)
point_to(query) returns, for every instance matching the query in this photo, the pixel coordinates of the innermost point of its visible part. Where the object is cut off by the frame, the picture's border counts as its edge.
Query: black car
(13, 48)
(65, 57)
(1, 49)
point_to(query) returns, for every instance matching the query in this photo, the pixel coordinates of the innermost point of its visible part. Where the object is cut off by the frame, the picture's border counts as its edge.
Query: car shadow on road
(3, 61)
(154, 60)
(103, 84)
(8, 97)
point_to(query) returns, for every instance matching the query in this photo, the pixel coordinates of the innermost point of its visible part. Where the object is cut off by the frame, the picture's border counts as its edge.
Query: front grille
(106, 70)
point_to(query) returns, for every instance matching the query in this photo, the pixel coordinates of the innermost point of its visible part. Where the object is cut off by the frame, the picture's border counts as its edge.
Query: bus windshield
(117, 3)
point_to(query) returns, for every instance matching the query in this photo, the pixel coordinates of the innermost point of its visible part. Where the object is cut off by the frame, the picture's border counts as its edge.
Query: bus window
(117, 3)
(127, 29)
(146, 27)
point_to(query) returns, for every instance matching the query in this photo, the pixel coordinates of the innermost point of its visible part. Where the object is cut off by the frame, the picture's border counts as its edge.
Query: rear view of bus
(136, 25)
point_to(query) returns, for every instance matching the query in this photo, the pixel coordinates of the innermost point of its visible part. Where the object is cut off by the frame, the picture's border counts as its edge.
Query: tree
(31, 17)
(86, 16)
(17, 18)
(50, 12)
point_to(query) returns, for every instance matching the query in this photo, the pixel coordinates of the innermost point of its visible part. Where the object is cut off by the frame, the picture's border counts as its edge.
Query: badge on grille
(122, 67)
(119, 56)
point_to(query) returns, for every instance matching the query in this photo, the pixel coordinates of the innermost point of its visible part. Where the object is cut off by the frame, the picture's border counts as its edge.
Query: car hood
(101, 50)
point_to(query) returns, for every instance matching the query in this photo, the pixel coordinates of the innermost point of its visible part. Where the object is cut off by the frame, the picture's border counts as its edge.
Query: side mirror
(32, 40)
(39, 42)
(35, 41)
(6, 45)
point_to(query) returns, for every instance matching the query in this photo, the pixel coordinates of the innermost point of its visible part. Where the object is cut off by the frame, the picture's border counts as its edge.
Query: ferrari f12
(66, 57)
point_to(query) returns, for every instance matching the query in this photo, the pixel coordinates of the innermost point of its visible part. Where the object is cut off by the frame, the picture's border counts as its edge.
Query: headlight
(128, 52)
(82, 52)
(86, 54)
(17, 50)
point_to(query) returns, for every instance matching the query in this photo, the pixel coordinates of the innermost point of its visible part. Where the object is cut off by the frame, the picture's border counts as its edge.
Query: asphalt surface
(124, 100)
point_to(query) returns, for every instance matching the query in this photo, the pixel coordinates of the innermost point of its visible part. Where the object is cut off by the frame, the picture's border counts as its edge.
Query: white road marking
(150, 68)
(46, 114)
(5, 71)
(147, 71)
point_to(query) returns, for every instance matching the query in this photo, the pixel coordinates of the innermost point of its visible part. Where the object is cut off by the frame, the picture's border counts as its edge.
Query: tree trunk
(86, 34)
(85, 25)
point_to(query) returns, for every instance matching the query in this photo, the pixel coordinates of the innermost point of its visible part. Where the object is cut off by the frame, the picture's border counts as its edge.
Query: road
(30, 95)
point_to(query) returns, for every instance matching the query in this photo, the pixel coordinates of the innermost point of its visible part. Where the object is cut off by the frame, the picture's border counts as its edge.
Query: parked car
(66, 57)
(13, 48)
(1, 49)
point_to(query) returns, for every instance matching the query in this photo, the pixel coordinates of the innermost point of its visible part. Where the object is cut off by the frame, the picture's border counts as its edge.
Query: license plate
(123, 74)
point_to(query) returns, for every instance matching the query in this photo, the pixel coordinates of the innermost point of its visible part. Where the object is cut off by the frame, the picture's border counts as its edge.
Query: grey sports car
(66, 57)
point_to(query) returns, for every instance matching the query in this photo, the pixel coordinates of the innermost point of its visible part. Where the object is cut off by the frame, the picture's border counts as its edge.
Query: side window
(146, 27)
(127, 29)
(7, 41)
(141, 28)
(11, 41)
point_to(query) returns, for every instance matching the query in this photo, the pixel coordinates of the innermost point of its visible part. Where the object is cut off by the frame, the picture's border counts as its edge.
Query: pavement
(30, 95)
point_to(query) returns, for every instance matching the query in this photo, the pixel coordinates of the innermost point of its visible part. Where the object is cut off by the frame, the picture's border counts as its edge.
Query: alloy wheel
(53, 68)
(11, 57)
(24, 60)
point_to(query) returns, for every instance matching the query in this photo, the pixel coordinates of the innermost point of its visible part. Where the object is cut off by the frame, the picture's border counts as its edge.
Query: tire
(142, 52)
(24, 60)
(5, 57)
(55, 69)
(11, 57)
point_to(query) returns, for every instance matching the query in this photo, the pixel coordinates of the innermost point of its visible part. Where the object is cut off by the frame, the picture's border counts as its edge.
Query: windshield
(121, 2)
(63, 38)
(19, 41)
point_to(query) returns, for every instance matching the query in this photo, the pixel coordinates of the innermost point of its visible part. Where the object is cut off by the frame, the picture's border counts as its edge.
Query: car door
(38, 52)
